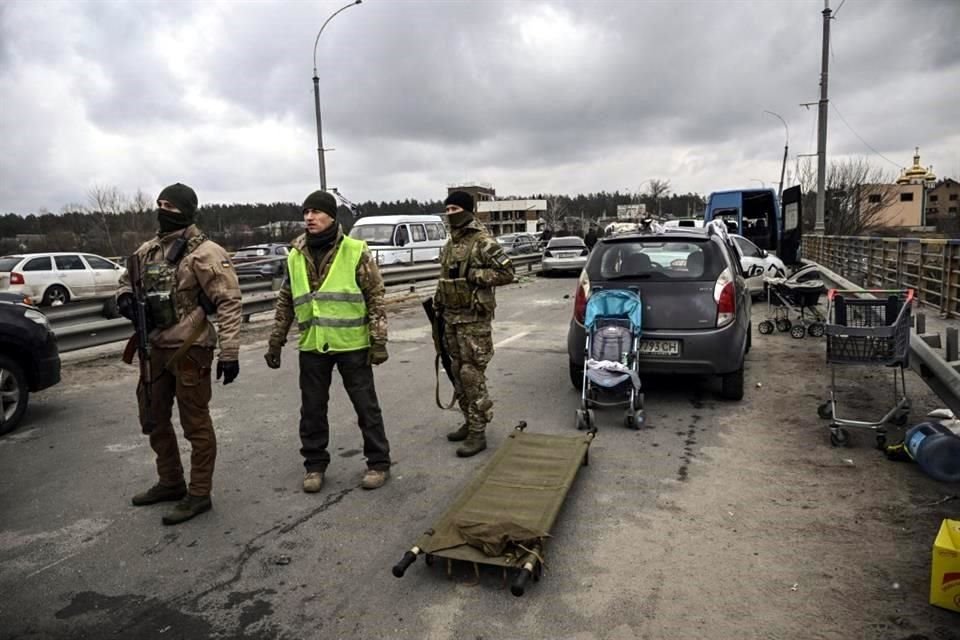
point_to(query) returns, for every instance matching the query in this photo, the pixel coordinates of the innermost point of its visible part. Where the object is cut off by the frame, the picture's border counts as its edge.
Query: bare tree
(858, 195)
(556, 212)
(106, 202)
(658, 189)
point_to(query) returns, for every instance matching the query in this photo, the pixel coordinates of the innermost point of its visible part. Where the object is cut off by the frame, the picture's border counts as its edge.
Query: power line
(866, 144)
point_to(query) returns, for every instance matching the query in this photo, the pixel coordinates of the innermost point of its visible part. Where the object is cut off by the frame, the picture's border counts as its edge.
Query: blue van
(756, 215)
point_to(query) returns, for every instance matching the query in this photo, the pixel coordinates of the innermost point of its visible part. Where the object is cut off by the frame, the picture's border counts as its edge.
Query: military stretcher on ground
(503, 517)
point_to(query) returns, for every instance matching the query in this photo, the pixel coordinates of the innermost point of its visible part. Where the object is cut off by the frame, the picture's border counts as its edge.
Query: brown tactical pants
(470, 346)
(190, 385)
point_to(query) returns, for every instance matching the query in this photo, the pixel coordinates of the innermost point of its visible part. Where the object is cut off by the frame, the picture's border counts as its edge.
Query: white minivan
(401, 239)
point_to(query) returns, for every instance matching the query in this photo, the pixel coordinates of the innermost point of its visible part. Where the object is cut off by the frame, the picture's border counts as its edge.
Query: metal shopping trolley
(868, 331)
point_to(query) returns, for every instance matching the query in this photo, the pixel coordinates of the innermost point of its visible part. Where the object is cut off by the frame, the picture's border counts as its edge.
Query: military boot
(460, 434)
(475, 443)
(187, 508)
(160, 493)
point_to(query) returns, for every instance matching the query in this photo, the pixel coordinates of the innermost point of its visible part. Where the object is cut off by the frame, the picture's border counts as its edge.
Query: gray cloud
(534, 96)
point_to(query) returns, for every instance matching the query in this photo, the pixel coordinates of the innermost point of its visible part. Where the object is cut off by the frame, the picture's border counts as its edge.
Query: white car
(757, 263)
(567, 253)
(57, 278)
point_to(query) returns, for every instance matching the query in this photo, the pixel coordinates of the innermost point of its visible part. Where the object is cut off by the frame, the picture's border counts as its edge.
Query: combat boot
(187, 508)
(475, 443)
(160, 493)
(460, 434)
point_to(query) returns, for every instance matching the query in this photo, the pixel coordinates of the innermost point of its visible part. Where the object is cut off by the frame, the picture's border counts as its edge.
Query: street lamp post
(786, 147)
(316, 95)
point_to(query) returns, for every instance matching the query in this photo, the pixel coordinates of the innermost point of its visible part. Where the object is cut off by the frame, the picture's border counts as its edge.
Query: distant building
(511, 216)
(631, 211)
(943, 204)
(901, 204)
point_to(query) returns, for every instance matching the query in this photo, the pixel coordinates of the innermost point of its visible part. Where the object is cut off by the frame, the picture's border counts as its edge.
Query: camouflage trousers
(470, 346)
(190, 387)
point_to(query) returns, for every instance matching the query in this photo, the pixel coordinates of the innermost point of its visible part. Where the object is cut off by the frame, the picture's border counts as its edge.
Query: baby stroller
(610, 369)
(800, 293)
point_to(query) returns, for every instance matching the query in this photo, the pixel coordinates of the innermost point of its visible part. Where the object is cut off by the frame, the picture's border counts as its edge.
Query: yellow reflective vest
(334, 317)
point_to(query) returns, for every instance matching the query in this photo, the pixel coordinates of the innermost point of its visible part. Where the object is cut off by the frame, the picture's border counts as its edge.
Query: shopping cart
(868, 331)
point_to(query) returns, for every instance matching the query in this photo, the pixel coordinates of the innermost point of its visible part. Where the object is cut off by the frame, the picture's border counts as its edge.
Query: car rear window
(251, 252)
(655, 259)
(566, 243)
(7, 263)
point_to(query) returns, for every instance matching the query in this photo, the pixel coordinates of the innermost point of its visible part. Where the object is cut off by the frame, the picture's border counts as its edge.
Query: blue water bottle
(936, 449)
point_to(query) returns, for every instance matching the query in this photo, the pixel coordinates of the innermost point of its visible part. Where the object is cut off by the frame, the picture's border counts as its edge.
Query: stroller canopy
(616, 303)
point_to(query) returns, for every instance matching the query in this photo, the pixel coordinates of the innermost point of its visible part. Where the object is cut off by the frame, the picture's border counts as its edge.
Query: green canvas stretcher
(504, 516)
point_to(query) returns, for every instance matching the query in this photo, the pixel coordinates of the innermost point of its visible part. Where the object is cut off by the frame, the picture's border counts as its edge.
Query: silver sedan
(567, 254)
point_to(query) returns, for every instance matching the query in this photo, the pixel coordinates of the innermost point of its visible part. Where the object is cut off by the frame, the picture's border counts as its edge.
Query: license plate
(568, 254)
(659, 348)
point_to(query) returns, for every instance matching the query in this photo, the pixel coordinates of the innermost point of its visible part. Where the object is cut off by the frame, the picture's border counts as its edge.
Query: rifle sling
(436, 371)
(183, 348)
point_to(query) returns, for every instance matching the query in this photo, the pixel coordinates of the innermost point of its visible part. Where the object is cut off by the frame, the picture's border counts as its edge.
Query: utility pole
(820, 227)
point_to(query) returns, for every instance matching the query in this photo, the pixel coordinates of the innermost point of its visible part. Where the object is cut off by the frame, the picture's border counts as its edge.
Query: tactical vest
(455, 295)
(160, 281)
(334, 317)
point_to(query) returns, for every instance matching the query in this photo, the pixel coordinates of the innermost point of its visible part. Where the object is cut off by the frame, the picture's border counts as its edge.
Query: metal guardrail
(940, 374)
(73, 335)
(930, 266)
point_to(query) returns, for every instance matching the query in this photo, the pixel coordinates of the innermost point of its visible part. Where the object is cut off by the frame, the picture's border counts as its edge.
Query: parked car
(401, 239)
(696, 303)
(757, 263)
(515, 244)
(264, 261)
(58, 278)
(565, 254)
(29, 359)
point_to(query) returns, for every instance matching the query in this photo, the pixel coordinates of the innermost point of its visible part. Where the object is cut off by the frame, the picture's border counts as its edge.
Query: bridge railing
(931, 266)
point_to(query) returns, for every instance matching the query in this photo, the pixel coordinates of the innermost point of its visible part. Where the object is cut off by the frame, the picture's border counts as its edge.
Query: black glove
(125, 305)
(228, 370)
(272, 356)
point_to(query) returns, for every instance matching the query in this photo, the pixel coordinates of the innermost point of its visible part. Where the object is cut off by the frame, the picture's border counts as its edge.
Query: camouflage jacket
(368, 279)
(470, 297)
(208, 269)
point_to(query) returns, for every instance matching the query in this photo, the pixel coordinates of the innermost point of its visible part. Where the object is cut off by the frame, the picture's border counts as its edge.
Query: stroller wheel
(630, 420)
(825, 411)
(839, 437)
(783, 325)
(638, 402)
(816, 329)
(765, 327)
(581, 420)
(797, 331)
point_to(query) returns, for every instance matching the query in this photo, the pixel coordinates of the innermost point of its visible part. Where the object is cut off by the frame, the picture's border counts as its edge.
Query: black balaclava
(183, 198)
(463, 200)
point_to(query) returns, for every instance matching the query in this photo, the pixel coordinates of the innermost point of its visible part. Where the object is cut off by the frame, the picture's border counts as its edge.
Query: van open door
(792, 226)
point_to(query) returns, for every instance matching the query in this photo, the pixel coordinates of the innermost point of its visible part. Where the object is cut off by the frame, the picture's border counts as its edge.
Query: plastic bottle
(936, 449)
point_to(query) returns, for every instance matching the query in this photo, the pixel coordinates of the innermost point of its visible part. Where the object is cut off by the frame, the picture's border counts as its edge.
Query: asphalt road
(77, 561)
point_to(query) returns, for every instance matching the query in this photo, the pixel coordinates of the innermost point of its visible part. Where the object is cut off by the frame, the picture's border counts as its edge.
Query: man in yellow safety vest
(335, 293)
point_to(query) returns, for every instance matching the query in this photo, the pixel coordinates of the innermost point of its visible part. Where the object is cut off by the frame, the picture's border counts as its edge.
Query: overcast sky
(554, 96)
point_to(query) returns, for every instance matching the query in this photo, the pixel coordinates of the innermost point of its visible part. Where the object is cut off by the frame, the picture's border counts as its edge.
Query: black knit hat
(321, 201)
(461, 199)
(183, 197)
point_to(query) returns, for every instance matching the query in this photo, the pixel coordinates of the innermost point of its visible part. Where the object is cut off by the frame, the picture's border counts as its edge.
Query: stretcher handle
(519, 584)
(408, 559)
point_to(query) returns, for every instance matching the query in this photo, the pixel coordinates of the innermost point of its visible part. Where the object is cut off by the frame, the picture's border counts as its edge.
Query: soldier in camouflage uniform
(179, 266)
(472, 264)
(334, 291)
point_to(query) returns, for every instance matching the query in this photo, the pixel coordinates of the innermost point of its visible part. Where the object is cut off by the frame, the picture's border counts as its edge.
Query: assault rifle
(437, 326)
(140, 341)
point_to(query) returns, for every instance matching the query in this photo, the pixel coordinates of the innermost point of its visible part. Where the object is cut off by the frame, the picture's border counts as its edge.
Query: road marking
(511, 339)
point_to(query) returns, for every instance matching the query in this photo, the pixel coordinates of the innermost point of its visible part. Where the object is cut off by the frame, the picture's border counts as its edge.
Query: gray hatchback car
(696, 304)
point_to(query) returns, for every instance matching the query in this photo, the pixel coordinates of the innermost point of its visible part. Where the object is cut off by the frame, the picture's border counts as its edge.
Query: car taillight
(547, 254)
(584, 252)
(725, 295)
(16, 278)
(580, 299)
